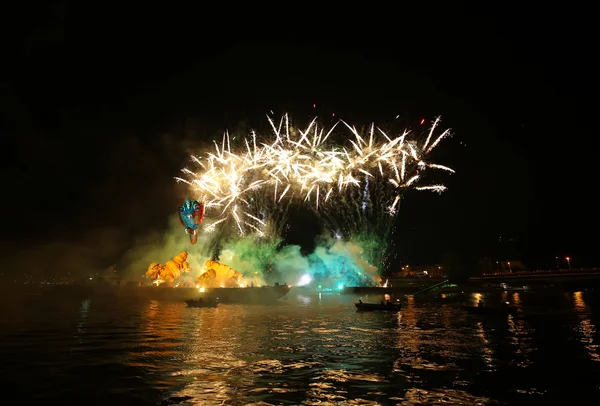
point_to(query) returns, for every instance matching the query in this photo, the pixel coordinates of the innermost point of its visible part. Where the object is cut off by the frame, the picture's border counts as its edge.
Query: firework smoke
(248, 182)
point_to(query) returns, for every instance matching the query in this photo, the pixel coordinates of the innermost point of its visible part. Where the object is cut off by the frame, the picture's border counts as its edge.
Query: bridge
(556, 275)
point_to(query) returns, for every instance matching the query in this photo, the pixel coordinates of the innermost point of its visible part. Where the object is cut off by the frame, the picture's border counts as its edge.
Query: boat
(381, 307)
(201, 303)
(492, 311)
(506, 288)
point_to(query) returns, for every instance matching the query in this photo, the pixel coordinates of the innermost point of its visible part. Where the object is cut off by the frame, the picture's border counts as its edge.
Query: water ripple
(309, 351)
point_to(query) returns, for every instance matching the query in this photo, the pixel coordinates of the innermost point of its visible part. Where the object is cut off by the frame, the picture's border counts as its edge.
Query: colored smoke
(261, 261)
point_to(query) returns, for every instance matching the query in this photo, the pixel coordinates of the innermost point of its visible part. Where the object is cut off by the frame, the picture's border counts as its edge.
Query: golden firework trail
(303, 165)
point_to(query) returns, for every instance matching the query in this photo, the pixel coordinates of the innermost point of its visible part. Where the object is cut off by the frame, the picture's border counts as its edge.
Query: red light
(314, 106)
(333, 115)
(422, 121)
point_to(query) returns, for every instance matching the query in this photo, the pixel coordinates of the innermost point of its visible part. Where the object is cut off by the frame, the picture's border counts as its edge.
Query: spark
(304, 165)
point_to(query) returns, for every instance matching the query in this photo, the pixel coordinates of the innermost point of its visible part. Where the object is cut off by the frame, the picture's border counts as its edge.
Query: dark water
(309, 349)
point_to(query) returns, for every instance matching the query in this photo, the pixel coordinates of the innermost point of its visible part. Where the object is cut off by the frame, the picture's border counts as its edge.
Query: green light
(319, 286)
(340, 287)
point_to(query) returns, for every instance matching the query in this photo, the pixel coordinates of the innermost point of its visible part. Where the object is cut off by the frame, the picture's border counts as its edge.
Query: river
(307, 349)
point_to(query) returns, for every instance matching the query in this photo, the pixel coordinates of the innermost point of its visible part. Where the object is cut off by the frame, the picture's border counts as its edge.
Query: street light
(557, 266)
(509, 268)
(569, 262)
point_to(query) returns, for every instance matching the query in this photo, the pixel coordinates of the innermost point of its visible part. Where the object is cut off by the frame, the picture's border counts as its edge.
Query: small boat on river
(378, 307)
(492, 311)
(201, 303)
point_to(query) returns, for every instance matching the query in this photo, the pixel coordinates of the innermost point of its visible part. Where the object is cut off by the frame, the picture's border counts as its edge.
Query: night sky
(100, 108)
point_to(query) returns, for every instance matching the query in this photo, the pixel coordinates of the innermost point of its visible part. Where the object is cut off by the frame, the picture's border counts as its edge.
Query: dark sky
(100, 107)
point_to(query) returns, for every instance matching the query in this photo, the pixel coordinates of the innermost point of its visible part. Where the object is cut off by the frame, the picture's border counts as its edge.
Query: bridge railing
(543, 272)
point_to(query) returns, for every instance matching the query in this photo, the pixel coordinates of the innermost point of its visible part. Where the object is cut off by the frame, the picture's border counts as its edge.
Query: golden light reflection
(521, 338)
(410, 317)
(585, 330)
(446, 313)
(325, 387)
(579, 302)
(476, 297)
(161, 323)
(217, 354)
(202, 347)
(516, 299)
(445, 396)
(151, 310)
(408, 333)
(161, 338)
(206, 330)
(487, 353)
(409, 339)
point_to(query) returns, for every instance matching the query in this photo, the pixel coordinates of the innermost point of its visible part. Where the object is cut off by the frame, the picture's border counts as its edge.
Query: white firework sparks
(303, 165)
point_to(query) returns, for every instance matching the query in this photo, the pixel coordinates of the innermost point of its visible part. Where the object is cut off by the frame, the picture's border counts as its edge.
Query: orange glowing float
(217, 275)
(170, 271)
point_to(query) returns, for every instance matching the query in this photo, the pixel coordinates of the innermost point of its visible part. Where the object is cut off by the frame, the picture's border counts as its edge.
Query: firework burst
(251, 184)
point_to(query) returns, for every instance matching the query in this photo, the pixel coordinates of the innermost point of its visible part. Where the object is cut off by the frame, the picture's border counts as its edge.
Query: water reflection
(408, 340)
(236, 350)
(161, 338)
(307, 350)
(82, 323)
(487, 353)
(429, 344)
(211, 353)
(521, 337)
(83, 316)
(516, 297)
(586, 330)
(416, 396)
